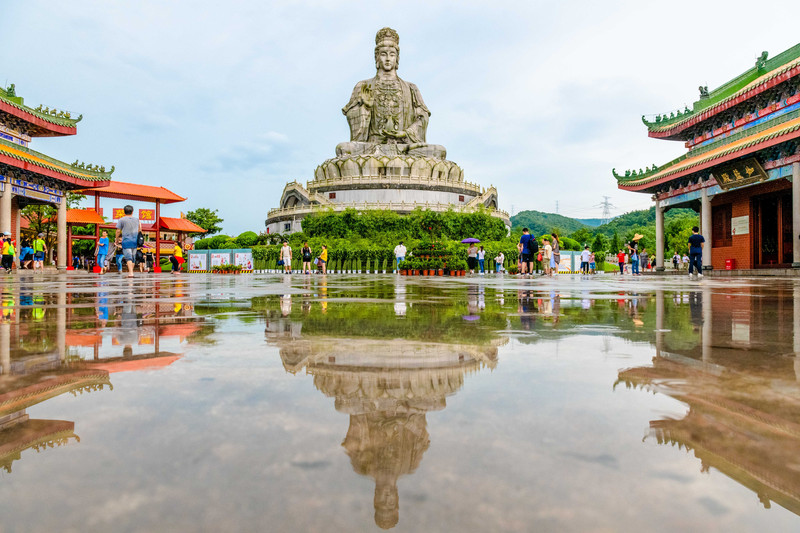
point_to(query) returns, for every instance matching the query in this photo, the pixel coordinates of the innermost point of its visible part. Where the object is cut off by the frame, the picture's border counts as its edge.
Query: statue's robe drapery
(363, 120)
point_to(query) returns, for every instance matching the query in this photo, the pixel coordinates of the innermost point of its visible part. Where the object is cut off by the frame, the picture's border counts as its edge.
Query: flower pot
(415, 272)
(424, 272)
(441, 272)
(453, 272)
(402, 272)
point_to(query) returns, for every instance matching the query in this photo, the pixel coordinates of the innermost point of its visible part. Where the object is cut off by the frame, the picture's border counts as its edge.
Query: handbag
(316, 260)
(140, 240)
(539, 257)
(280, 262)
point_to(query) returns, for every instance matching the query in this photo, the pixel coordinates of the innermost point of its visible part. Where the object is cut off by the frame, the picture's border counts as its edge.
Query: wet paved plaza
(353, 403)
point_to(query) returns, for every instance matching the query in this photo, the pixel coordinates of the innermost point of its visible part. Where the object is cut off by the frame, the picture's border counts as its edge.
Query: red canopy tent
(137, 193)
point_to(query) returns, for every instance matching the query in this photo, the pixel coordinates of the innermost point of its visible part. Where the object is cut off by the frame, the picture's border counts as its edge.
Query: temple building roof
(766, 74)
(136, 192)
(696, 161)
(39, 122)
(24, 158)
(179, 224)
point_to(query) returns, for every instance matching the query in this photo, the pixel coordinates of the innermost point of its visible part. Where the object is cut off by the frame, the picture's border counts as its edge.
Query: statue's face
(386, 58)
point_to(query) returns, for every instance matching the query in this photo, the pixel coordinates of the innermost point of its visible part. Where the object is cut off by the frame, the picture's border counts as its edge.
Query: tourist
(547, 257)
(634, 261)
(644, 259)
(472, 257)
(586, 255)
(323, 259)
(306, 253)
(498, 262)
(696, 252)
(685, 261)
(101, 250)
(176, 258)
(119, 258)
(141, 261)
(592, 264)
(555, 259)
(621, 261)
(481, 259)
(525, 247)
(39, 250)
(26, 254)
(676, 259)
(128, 229)
(286, 257)
(9, 252)
(399, 254)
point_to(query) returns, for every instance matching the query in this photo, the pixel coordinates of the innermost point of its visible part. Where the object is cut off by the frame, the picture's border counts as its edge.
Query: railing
(393, 206)
(394, 180)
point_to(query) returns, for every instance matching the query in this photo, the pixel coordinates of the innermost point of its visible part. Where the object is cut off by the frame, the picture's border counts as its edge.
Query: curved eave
(745, 147)
(766, 82)
(42, 126)
(53, 172)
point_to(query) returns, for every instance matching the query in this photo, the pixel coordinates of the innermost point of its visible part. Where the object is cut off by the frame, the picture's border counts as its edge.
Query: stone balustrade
(393, 206)
(338, 182)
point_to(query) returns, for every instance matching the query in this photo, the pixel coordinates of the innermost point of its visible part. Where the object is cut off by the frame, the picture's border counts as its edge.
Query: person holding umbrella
(472, 253)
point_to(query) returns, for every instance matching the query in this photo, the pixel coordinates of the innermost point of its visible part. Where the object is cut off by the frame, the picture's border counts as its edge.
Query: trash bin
(730, 264)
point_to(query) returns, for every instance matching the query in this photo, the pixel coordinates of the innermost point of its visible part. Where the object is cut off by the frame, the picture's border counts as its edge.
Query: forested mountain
(540, 223)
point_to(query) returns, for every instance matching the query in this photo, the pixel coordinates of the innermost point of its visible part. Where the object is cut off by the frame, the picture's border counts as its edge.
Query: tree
(206, 219)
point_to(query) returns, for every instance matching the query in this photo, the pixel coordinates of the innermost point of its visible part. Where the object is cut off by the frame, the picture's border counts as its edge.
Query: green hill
(540, 223)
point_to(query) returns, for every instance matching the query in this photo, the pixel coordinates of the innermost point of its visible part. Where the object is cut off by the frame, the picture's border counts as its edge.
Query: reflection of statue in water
(387, 114)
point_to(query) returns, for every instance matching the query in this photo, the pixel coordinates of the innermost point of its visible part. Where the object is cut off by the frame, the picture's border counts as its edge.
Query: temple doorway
(772, 246)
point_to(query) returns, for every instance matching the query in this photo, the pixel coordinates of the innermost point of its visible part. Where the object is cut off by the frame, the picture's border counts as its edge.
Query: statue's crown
(387, 37)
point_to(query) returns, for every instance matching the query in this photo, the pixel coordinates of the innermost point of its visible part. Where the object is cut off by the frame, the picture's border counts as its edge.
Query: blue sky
(224, 102)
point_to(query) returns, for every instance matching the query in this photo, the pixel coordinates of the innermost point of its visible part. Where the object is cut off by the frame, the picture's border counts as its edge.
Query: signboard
(198, 261)
(118, 213)
(244, 260)
(218, 259)
(147, 217)
(739, 174)
(740, 225)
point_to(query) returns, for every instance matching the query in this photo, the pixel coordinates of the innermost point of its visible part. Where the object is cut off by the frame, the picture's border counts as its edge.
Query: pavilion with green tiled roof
(30, 177)
(743, 158)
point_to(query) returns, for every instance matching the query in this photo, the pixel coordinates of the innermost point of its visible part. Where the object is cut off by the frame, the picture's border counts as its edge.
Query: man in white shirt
(400, 253)
(586, 255)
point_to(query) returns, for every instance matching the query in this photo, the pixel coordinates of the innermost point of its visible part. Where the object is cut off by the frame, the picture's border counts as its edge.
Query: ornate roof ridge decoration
(758, 77)
(54, 116)
(78, 170)
(630, 180)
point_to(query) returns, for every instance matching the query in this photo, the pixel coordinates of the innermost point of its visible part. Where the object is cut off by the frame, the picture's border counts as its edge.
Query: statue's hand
(366, 95)
(394, 134)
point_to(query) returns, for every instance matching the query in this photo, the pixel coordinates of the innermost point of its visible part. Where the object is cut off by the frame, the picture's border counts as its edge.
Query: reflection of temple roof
(137, 362)
(743, 425)
(36, 434)
(50, 386)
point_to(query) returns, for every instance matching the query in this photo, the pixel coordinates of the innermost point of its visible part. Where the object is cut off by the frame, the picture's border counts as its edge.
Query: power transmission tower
(607, 206)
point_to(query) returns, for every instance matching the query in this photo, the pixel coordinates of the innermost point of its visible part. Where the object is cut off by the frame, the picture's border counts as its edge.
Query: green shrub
(247, 239)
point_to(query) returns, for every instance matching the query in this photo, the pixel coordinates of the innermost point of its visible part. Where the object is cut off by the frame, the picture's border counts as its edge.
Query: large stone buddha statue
(387, 115)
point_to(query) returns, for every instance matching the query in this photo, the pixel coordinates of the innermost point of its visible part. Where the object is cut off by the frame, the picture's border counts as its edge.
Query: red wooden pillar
(157, 266)
(97, 210)
(69, 246)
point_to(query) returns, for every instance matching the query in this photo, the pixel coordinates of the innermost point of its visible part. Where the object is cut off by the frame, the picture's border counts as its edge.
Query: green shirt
(38, 245)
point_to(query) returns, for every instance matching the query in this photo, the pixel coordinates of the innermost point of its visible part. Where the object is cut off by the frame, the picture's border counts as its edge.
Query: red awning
(135, 364)
(179, 224)
(136, 192)
(84, 216)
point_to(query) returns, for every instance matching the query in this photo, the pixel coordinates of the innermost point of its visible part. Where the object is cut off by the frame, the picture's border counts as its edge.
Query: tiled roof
(681, 166)
(46, 124)
(136, 192)
(179, 224)
(778, 69)
(27, 159)
(84, 216)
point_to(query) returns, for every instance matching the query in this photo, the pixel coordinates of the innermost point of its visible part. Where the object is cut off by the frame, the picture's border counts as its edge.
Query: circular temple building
(387, 164)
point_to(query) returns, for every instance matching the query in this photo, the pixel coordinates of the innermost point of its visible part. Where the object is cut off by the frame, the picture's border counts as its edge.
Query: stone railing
(393, 206)
(466, 186)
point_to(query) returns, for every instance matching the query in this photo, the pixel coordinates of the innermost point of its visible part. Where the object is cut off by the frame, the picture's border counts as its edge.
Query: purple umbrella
(471, 240)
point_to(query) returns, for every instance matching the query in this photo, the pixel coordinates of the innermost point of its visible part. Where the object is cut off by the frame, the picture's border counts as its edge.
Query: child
(621, 261)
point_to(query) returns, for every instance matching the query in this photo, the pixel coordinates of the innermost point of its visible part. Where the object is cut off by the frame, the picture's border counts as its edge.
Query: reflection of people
(286, 304)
